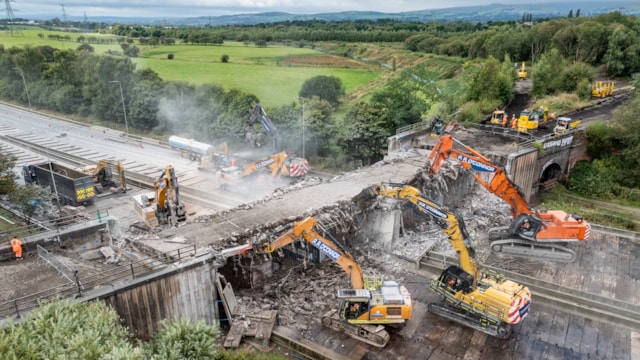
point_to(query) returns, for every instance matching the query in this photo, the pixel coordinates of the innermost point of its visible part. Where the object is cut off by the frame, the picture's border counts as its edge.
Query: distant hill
(485, 13)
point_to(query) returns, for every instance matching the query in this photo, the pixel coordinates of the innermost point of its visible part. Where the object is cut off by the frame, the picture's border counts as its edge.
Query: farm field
(274, 74)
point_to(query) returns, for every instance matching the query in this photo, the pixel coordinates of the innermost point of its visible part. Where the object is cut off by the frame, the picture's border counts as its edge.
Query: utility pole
(303, 127)
(11, 19)
(124, 109)
(25, 85)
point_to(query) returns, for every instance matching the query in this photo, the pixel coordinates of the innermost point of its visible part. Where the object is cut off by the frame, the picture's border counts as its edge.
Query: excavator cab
(353, 303)
(454, 279)
(497, 117)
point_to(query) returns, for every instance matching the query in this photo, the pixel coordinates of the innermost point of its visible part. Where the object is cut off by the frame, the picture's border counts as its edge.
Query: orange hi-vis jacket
(16, 246)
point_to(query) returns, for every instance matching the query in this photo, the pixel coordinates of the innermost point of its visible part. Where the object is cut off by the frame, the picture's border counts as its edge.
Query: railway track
(580, 302)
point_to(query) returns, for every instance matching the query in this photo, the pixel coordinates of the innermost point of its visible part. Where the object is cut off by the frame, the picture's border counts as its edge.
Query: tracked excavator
(487, 303)
(103, 174)
(163, 206)
(365, 308)
(215, 159)
(279, 164)
(539, 234)
(259, 115)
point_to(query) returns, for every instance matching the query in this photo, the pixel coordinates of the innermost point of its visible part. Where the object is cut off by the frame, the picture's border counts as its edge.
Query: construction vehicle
(194, 150)
(362, 309)
(533, 233)
(522, 73)
(103, 175)
(215, 160)
(497, 117)
(602, 89)
(437, 127)
(565, 124)
(163, 206)
(260, 115)
(530, 120)
(490, 304)
(72, 187)
(279, 164)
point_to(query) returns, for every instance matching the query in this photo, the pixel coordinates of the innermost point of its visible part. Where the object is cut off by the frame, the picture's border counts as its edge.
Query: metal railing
(19, 307)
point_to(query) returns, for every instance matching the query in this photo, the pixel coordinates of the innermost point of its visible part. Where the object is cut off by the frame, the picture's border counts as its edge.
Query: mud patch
(323, 61)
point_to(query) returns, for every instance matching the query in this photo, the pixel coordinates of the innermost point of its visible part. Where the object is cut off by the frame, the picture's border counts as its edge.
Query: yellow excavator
(362, 309)
(103, 175)
(490, 304)
(163, 206)
(522, 73)
(215, 160)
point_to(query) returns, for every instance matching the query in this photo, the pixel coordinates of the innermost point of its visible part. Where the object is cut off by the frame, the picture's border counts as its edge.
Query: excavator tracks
(531, 249)
(374, 335)
(502, 244)
(499, 330)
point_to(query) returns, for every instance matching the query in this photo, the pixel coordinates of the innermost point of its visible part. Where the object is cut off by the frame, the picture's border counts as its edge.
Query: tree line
(610, 40)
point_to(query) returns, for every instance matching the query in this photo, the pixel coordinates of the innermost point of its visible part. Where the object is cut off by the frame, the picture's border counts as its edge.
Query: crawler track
(580, 302)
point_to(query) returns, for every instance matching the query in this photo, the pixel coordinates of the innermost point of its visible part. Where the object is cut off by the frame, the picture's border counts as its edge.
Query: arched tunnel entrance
(550, 176)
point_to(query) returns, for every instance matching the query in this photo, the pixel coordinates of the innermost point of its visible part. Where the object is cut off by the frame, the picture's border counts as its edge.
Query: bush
(470, 114)
(170, 56)
(584, 89)
(224, 58)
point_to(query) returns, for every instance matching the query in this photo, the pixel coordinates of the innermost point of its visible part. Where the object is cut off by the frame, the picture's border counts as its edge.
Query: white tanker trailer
(194, 149)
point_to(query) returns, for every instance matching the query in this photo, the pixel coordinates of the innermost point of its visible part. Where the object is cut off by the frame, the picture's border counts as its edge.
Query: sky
(195, 8)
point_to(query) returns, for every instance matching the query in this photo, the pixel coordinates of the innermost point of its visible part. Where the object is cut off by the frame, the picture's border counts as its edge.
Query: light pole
(25, 85)
(53, 181)
(124, 109)
(303, 139)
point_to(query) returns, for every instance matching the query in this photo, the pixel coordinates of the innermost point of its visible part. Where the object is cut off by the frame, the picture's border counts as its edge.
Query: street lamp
(302, 100)
(124, 109)
(25, 85)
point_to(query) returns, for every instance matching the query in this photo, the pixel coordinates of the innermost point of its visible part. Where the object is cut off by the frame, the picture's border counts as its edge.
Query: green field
(258, 71)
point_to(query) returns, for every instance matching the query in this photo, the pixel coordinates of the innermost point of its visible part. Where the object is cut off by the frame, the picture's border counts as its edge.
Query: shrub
(170, 56)
(224, 58)
(470, 114)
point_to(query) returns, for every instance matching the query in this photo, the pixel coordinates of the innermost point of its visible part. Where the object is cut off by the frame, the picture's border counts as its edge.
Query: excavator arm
(532, 233)
(451, 223)
(121, 176)
(500, 184)
(488, 304)
(307, 230)
(259, 115)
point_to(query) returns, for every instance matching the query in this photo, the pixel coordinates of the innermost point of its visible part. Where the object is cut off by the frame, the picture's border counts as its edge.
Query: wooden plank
(234, 337)
(219, 285)
(265, 327)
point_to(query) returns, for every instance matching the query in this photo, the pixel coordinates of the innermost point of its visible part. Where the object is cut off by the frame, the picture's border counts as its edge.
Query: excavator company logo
(476, 165)
(264, 163)
(334, 255)
(562, 142)
(431, 209)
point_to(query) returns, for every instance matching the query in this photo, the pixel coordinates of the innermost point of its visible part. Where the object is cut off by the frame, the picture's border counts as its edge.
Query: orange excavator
(370, 303)
(540, 234)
